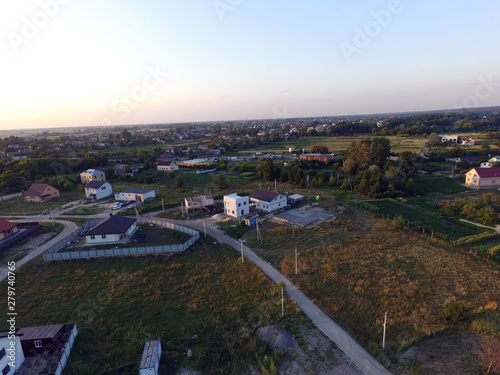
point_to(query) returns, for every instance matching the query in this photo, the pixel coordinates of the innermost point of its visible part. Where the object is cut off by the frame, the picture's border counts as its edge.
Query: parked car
(87, 201)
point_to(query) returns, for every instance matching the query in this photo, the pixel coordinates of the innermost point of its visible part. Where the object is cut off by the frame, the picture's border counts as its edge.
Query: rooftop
(149, 355)
(36, 189)
(95, 184)
(113, 225)
(92, 171)
(488, 172)
(137, 191)
(264, 195)
(6, 225)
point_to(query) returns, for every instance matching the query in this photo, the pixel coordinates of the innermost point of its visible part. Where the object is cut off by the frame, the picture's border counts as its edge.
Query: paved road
(5, 197)
(359, 356)
(69, 227)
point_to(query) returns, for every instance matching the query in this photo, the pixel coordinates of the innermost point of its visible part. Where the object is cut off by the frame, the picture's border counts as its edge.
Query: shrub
(454, 312)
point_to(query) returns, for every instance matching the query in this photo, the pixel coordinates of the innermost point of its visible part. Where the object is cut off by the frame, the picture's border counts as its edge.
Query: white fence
(52, 253)
(66, 352)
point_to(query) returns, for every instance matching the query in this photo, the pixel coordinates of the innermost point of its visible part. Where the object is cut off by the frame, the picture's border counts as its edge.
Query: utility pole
(385, 326)
(162, 205)
(259, 236)
(275, 188)
(182, 208)
(295, 260)
(241, 247)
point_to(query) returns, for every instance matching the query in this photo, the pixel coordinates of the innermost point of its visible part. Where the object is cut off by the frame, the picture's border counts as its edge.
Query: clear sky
(96, 62)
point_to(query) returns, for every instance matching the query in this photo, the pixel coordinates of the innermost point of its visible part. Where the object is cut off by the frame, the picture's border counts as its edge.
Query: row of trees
(481, 210)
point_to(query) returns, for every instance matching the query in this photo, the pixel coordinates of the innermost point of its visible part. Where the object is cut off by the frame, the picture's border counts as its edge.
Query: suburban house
(122, 169)
(468, 142)
(494, 159)
(164, 165)
(7, 228)
(6, 337)
(98, 190)
(136, 195)
(40, 193)
(320, 157)
(236, 206)
(92, 175)
(483, 178)
(486, 164)
(199, 204)
(294, 199)
(150, 361)
(267, 200)
(468, 159)
(449, 137)
(111, 230)
(36, 340)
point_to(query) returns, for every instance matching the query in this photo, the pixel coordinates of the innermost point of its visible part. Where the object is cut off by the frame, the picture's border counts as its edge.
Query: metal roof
(150, 354)
(137, 191)
(113, 225)
(38, 333)
(37, 189)
(95, 184)
(488, 172)
(264, 195)
(6, 225)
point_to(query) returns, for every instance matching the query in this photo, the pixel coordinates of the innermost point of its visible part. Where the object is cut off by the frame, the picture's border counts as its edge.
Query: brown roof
(6, 225)
(264, 195)
(38, 333)
(37, 189)
(164, 163)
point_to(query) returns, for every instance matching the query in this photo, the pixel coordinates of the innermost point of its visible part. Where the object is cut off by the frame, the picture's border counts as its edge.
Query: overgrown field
(424, 285)
(204, 300)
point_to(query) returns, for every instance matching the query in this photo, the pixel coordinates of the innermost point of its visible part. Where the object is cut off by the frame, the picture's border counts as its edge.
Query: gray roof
(113, 225)
(95, 184)
(137, 191)
(264, 195)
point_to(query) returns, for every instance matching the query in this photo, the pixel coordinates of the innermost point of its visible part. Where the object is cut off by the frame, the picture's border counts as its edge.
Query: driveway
(357, 354)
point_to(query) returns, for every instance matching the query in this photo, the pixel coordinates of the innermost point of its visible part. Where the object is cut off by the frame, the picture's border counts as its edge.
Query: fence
(141, 250)
(31, 229)
(66, 351)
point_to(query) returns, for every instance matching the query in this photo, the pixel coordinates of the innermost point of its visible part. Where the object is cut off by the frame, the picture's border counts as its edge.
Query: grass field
(356, 279)
(204, 299)
(19, 207)
(338, 144)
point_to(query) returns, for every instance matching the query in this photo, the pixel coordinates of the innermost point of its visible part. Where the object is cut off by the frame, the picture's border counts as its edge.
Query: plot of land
(302, 218)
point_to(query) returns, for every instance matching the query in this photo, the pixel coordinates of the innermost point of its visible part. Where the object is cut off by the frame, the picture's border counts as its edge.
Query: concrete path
(496, 228)
(359, 356)
(69, 227)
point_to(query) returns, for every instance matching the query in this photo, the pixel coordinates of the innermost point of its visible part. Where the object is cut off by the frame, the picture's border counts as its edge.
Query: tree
(434, 139)
(190, 154)
(221, 182)
(267, 170)
(179, 181)
(349, 167)
(319, 149)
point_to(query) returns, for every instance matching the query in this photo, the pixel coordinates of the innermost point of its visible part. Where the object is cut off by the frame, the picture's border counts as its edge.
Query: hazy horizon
(70, 63)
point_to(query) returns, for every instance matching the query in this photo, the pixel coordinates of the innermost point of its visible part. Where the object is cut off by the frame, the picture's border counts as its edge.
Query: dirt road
(69, 227)
(359, 356)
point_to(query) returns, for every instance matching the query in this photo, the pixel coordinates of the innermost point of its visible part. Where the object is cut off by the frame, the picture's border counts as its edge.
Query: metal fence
(62, 243)
(141, 250)
(66, 352)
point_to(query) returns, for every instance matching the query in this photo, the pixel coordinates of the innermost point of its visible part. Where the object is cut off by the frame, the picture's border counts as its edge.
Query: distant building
(483, 178)
(150, 361)
(40, 193)
(98, 190)
(136, 195)
(5, 344)
(236, 206)
(468, 142)
(199, 204)
(294, 199)
(452, 138)
(111, 230)
(320, 157)
(92, 175)
(164, 165)
(122, 169)
(267, 200)
(486, 164)
(494, 159)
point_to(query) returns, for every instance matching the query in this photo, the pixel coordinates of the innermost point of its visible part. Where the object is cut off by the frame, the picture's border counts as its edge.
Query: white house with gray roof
(111, 230)
(98, 190)
(136, 195)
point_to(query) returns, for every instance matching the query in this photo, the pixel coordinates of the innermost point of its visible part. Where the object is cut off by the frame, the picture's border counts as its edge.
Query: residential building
(39, 339)
(164, 165)
(294, 199)
(150, 361)
(494, 159)
(483, 178)
(448, 137)
(111, 230)
(7, 229)
(468, 142)
(7, 338)
(92, 175)
(267, 200)
(136, 195)
(236, 206)
(486, 164)
(122, 169)
(98, 190)
(40, 193)
(199, 204)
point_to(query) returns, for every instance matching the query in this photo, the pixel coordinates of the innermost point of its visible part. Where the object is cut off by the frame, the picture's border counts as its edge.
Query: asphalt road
(359, 356)
(69, 227)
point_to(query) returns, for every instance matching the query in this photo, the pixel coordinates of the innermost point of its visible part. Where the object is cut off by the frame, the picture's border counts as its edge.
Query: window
(242, 212)
(6, 370)
(244, 203)
(2, 353)
(38, 343)
(103, 236)
(92, 237)
(239, 204)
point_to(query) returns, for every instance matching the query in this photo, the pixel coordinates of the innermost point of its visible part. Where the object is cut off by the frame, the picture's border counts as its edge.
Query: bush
(455, 312)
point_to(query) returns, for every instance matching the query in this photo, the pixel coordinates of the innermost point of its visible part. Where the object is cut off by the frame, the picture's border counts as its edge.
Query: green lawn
(17, 206)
